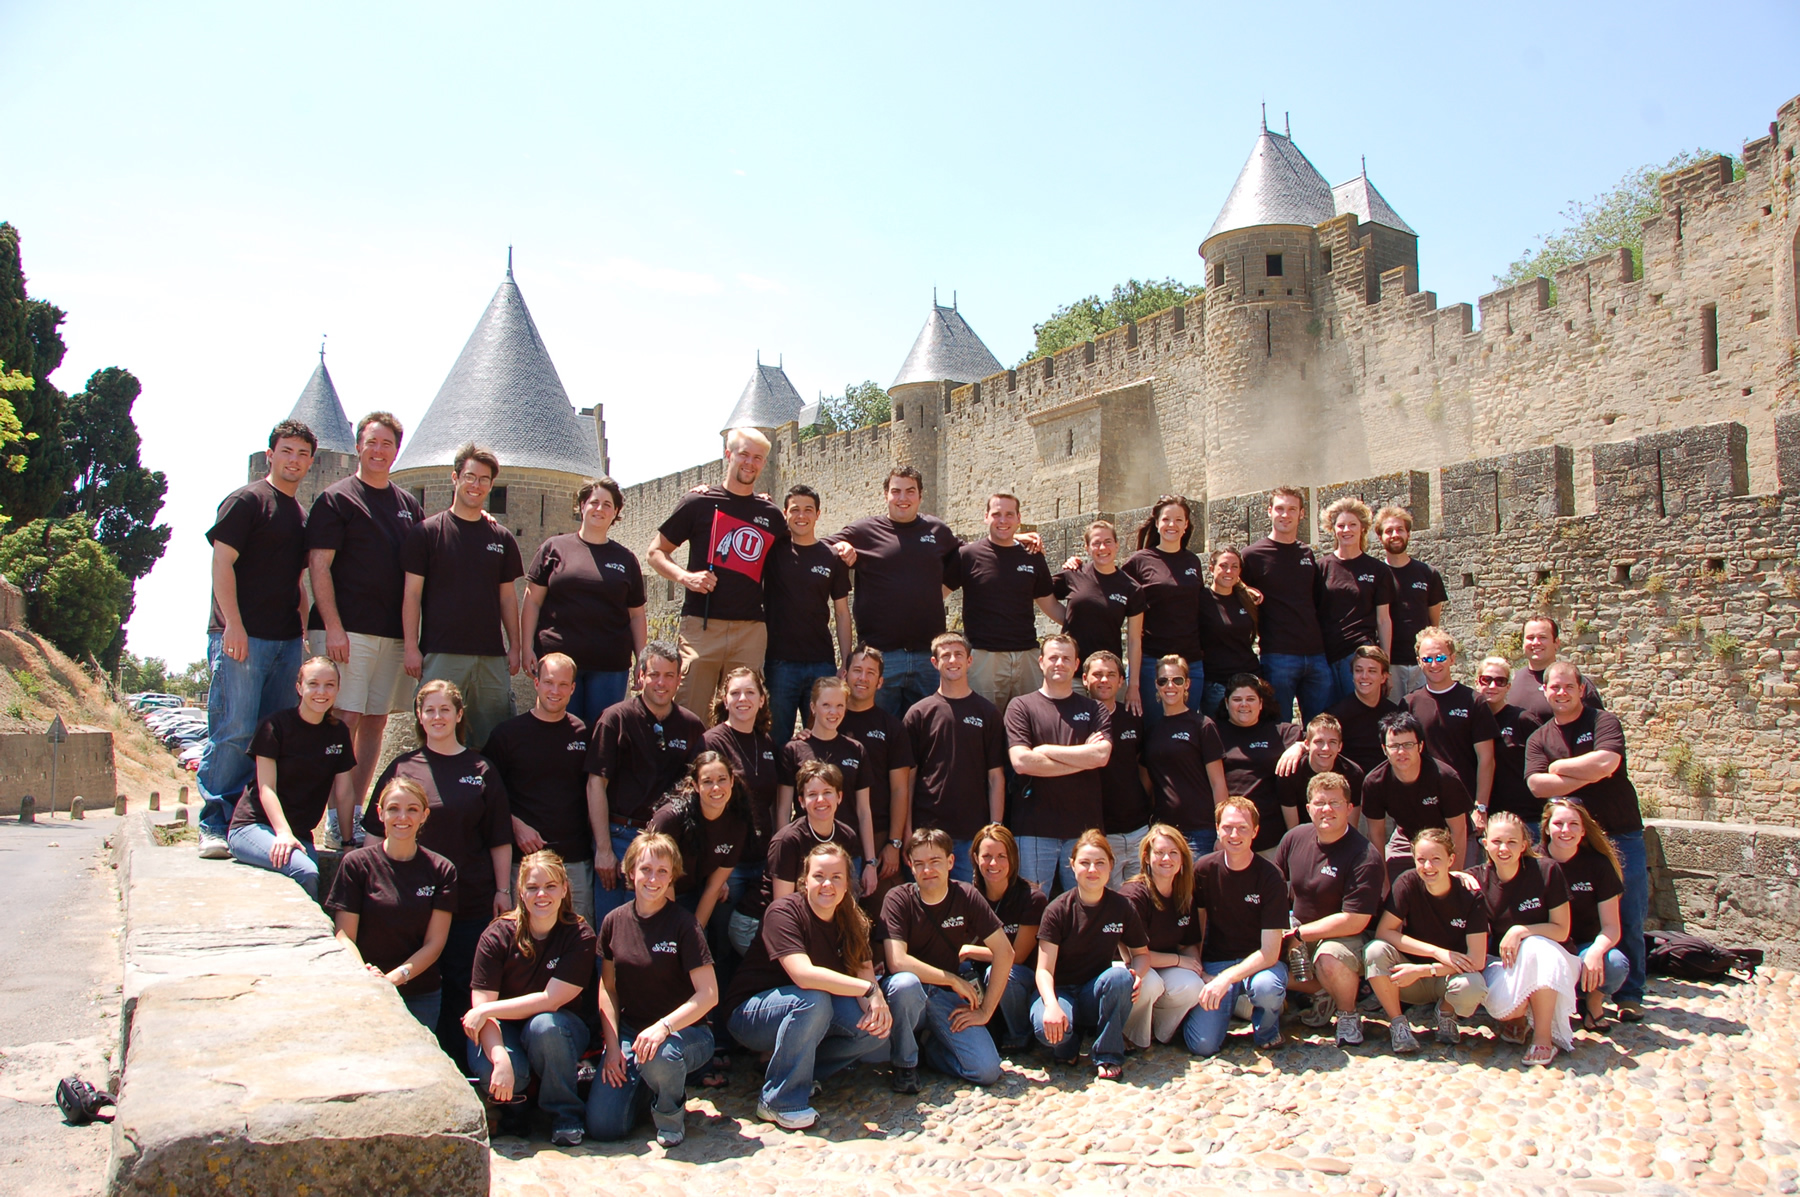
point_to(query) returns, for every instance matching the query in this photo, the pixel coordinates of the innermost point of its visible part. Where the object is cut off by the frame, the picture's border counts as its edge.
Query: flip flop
(1595, 1022)
(1514, 1031)
(718, 1073)
(1109, 1072)
(1537, 1056)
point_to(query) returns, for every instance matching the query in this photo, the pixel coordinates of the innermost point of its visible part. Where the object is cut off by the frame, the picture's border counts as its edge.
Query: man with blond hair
(1419, 597)
(1357, 605)
(1459, 727)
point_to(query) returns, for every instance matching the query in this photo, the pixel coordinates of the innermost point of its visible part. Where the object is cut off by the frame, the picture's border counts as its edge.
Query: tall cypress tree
(31, 344)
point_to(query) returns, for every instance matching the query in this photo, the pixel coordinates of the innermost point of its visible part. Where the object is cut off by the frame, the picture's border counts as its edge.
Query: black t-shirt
(652, 959)
(1167, 928)
(841, 750)
(787, 853)
(1436, 797)
(1454, 722)
(469, 817)
(886, 747)
(1535, 890)
(1293, 590)
(268, 530)
(590, 591)
(1613, 800)
(752, 756)
(1591, 880)
(566, 954)
(308, 758)
(1097, 605)
(1057, 807)
(1290, 791)
(1088, 938)
(738, 596)
(1444, 921)
(1362, 733)
(1125, 804)
(1251, 754)
(464, 564)
(1527, 693)
(393, 901)
(1343, 877)
(789, 928)
(955, 742)
(1227, 634)
(1417, 589)
(802, 583)
(1353, 590)
(999, 584)
(900, 572)
(712, 845)
(1512, 729)
(1240, 905)
(364, 527)
(936, 934)
(1171, 584)
(641, 756)
(544, 765)
(1176, 752)
(1020, 906)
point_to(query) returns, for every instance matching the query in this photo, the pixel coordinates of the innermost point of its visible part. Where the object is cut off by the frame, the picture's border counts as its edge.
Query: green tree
(1602, 224)
(111, 486)
(138, 674)
(30, 341)
(74, 592)
(13, 437)
(860, 406)
(1091, 315)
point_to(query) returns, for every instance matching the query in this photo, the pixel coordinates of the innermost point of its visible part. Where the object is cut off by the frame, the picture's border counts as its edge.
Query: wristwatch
(893, 843)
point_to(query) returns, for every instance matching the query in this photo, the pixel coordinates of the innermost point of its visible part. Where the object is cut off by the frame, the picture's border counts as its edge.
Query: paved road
(59, 1000)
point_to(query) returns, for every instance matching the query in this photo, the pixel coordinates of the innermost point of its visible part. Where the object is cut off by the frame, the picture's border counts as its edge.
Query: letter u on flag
(738, 546)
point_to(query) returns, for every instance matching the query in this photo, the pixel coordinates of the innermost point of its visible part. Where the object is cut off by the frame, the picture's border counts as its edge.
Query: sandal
(1595, 1021)
(1514, 1030)
(1539, 1055)
(1109, 1072)
(718, 1073)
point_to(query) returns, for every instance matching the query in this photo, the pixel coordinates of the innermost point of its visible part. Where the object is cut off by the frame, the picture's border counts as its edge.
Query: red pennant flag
(738, 546)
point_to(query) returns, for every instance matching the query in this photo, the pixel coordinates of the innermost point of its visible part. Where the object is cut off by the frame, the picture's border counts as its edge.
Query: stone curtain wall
(84, 767)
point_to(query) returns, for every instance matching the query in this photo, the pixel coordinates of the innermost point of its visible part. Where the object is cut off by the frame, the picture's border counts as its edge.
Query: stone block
(1669, 473)
(1514, 490)
(1787, 451)
(1241, 519)
(1410, 489)
(1688, 846)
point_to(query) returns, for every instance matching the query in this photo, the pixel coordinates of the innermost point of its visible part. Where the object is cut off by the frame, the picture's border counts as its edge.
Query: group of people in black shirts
(914, 845)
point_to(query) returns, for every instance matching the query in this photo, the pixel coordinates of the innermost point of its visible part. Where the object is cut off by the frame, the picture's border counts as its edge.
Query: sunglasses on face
(1434, 659)
(1491, 681)
(1171, 681)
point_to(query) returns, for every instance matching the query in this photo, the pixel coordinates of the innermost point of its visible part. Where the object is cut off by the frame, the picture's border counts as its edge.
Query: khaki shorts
(1463, 992)
(1347, 950)
(709, 650)
(1002, 677)
(374, 681)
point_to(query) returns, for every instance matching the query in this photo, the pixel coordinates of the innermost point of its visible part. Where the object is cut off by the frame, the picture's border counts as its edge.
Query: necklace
(817, 838)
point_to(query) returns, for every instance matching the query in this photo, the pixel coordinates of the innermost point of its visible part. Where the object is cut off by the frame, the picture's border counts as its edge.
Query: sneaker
(1321, 1013)
(567, 1136)
(1400, 1035)
(1349, 1028)
(904, 1080)
(214, 847)
(799, 1119)
(671, 1137)
(1447, 1030)
(1242, 1009)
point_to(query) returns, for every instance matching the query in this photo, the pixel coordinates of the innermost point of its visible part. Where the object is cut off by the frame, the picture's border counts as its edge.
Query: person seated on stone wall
(1359, 716)
(1580, 754)
(1087, 936)
(1416, 791)
(1541, 639)
(1171, 581)
(1430, 946)
(1530, 976)
(1254, 740)
(821, 787)
(584, 597)
(824, 741)
(530, 963)
(1020, 908)
(1184, 759)
(1512, 729)
(1242, 901)
(740, 733)
(1590, 866)
(1002, 580)
(656, 987)
(1285, 571)
(1099, 598)
(1459, 727)
(470, 826)
(806, 992)
(1322, 752)
(1419, 597)
(1163, 896)
(1357, 606)
(392, 901)
(1228, 623)
(303, 760)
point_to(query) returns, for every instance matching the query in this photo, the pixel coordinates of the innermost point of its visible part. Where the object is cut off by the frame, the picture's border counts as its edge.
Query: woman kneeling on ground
(1430, 946)
(1591, 868)
(806, 991)
(530, 963)
(1531, 983)
(1163, 896)
(392, 901)
(1082, 980)
(656, 986)
(1020, 909)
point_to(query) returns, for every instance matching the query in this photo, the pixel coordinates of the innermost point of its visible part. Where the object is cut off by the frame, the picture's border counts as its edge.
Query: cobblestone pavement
(1702, 1097)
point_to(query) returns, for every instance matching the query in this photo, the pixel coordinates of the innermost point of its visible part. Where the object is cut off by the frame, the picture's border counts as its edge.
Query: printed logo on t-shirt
(874, 734)
(928, 538)
(723, 849)
(1258, 744)
(1128, 734)
(1457, 713)
(1254, 899)
(1182, 736)
(1080, 717)
(575, 746)
(1118, 598)
(1184, 920)
(1420, 585)
(1581, 887)
(1113, 929)
(551, 963)
(1011, 929)
(955, 920)
(474, 779)
(494, 547)
(824, 571)
(403, 514)
(1025, 569)
(1369, 578)
(760, 520)
(1459, 924)
(1506, 733)
(1429, 800)
(1328, 870)
(768, 756)
(1585, 738)
(1529, 904)
(1190, 573)
(618, 565)
(973, 720)
(425, 891)
(667, 947)
(678, 745)
(334, 750)
(851, 762)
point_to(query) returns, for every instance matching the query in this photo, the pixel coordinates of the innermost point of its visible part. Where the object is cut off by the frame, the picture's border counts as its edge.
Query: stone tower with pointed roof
(945, 355)
(320, 410)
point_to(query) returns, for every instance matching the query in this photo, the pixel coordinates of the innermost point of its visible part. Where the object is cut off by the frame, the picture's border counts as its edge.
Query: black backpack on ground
(80, 1102)
(1690, 958)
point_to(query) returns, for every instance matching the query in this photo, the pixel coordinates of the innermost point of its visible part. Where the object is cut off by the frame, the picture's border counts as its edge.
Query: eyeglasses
(1434, 659)
(1403, 746)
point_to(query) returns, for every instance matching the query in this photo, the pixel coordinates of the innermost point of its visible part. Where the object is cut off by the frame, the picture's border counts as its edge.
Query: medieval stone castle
(1622, 452)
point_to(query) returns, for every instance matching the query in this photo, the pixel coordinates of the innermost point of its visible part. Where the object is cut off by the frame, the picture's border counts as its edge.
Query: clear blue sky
(207, 189)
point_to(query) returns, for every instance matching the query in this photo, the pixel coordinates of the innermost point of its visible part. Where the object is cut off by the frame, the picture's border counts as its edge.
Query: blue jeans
(250, 845)
(1343, 685)
(1101, 1005)
(1204, 1030)
(425, 1008)
(907, 675)
(547, 1046)
(968, 1054)
(1015, 1004)
(810, 1034)
(456, 965)
(1634, 904)
(1212, 701)
(790, 693)
(608, 900)
(595, 690)
(1042, 859)
(1201, 843)
(963, 868)
(658, 1085)
(1616, 970)
(1153, 712)
(243, 694)
(1291, 676)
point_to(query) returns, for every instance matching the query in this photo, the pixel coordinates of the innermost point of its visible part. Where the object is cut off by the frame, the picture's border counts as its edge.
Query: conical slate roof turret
(1359, 196)
(1277, 186)
(947, 350)
(318, 408)
(504, 394)
(769, 400)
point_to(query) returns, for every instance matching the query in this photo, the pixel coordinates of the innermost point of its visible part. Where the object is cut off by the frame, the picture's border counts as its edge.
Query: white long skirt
(1541, 964)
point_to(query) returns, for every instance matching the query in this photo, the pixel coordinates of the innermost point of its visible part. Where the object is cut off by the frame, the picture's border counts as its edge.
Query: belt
(629, 821)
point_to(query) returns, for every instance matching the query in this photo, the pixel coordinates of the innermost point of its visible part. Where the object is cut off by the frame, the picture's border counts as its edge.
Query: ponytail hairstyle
(1505, 818)
(1240, 592)
(848, 920)
(1181, 890)
(1593, 836)
(331, 716)
(552, 864)
(684, 799)
(1439, 836)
